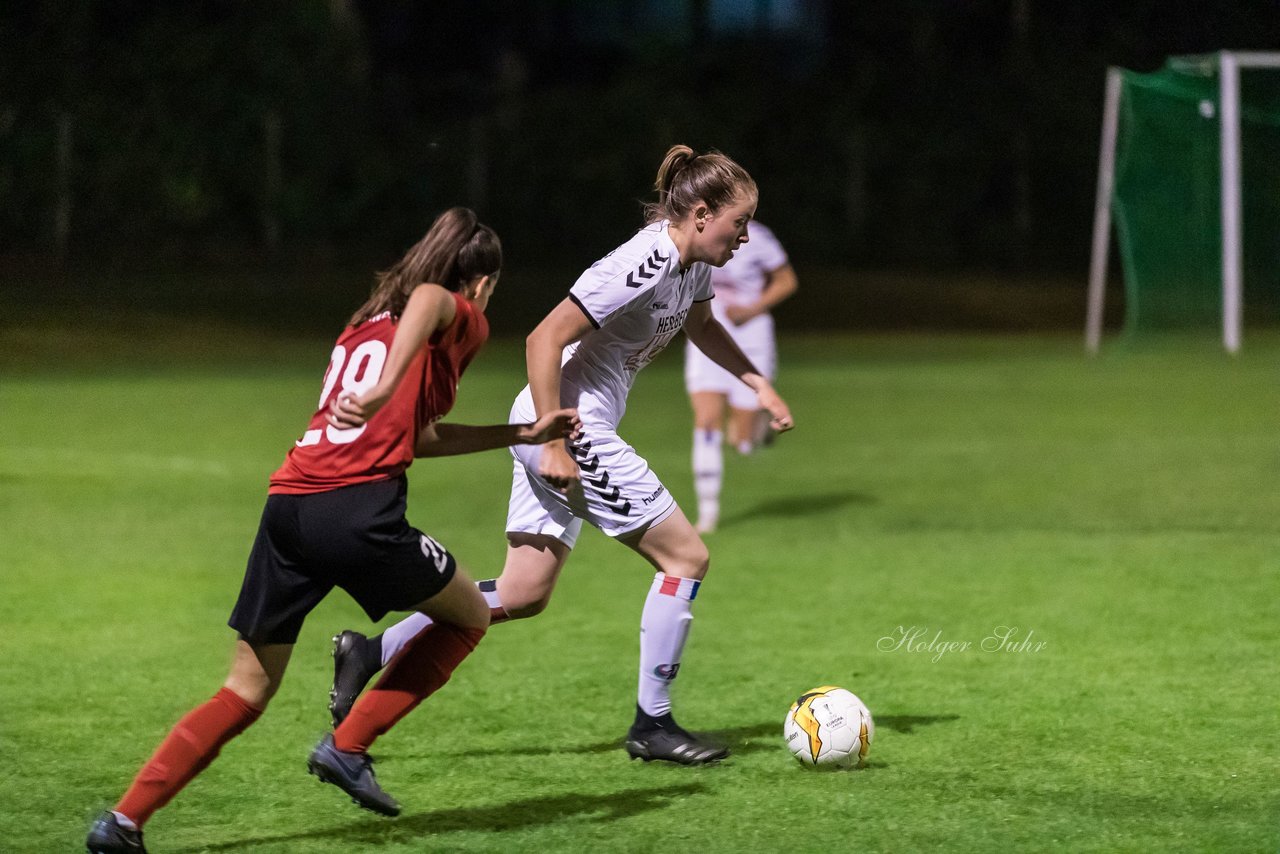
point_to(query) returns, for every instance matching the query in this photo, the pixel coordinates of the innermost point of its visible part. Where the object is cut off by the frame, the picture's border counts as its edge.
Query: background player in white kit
(757, 278)
(619, 315)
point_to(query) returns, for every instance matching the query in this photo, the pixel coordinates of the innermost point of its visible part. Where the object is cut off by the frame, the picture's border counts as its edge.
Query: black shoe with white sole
(662, 738)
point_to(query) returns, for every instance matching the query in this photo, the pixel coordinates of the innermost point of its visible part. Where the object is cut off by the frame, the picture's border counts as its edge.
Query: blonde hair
(456, 249)
(686, 178)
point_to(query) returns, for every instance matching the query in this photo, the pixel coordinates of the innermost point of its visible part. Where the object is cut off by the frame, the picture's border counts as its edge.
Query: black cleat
(108, 837)
(673, 744)
(352, 670)
(353, 774)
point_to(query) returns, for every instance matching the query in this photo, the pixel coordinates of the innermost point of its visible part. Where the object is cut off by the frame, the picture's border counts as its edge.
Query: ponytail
(686, 178)
(456, 249)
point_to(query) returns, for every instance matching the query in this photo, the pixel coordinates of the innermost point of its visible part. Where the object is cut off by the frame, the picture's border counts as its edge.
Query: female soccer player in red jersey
(335, 516)
(585, 354)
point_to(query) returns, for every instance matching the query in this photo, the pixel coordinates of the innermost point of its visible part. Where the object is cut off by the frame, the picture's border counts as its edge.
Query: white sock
(124, 821)
(708, 471)
(489, 590)
(664, 627)
(745, 447)
(394, 638)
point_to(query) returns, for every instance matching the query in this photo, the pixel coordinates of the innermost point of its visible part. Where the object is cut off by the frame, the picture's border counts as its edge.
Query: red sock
(191, 745)
(417, 672)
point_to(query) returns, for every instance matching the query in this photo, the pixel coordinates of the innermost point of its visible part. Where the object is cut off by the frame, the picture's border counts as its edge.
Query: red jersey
(326, 457)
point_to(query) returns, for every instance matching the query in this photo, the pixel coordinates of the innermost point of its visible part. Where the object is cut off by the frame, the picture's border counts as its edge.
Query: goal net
(1195, 192)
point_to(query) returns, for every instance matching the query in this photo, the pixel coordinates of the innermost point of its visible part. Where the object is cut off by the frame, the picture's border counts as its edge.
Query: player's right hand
(347, 411)
(557, 468)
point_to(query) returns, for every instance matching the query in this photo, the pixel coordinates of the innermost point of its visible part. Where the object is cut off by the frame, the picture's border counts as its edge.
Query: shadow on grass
(742, 740)
(513, 815)
(906, 724)
(737, 739)
(750, 739)
(795, 506)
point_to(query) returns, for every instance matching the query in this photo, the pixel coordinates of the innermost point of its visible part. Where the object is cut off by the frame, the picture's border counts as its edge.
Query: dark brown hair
(456, 249)
(686, 178)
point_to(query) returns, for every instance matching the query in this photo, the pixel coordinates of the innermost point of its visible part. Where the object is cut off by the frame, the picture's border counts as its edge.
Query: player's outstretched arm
(430, 308)
(446, 440)
(710, 337)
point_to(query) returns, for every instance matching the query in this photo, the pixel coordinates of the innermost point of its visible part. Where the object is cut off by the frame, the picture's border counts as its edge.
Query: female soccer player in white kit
(618, 316)
(757, 278)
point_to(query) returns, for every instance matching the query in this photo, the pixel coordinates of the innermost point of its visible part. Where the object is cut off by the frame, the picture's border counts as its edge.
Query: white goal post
(1229, 64)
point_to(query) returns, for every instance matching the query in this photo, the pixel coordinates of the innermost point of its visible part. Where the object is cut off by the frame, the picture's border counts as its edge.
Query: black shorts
(356, 538)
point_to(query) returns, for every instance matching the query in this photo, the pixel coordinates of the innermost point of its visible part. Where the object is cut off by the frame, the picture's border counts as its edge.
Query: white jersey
(743, 278)
(637, 298)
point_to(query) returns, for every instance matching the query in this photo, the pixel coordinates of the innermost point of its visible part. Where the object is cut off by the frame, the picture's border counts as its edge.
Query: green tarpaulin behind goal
(1167, 202)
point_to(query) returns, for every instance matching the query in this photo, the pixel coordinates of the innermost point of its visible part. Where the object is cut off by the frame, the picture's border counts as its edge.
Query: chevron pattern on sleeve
(646, 271)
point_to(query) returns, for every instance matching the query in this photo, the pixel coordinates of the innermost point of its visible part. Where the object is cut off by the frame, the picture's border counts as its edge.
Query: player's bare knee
(693, 562)
(474, 618)
(707, 423)
(698, 555)
(522, 609)
(257, 692)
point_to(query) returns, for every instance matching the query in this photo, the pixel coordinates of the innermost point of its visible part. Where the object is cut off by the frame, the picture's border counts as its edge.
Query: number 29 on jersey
(353, 373)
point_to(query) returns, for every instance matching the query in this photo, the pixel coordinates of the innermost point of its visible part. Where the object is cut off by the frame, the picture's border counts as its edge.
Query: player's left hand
(779, 413)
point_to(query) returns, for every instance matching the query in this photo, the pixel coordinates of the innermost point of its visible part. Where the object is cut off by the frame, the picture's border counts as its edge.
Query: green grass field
(1120, 514)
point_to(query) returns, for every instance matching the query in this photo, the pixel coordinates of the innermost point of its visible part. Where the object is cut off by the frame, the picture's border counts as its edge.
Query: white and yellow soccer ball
(829, 727)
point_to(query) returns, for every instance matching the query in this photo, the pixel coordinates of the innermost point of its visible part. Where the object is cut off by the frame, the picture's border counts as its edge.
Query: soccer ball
(829, 727)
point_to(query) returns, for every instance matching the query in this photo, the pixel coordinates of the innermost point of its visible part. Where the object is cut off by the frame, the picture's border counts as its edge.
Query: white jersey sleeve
(703, 289)
(624, 278)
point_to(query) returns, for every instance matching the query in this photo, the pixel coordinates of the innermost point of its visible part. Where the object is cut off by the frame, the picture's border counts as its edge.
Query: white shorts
(618, 492)
(755, 339)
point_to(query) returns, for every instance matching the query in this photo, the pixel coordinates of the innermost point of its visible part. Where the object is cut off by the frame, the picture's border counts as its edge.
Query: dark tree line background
(943, 133)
